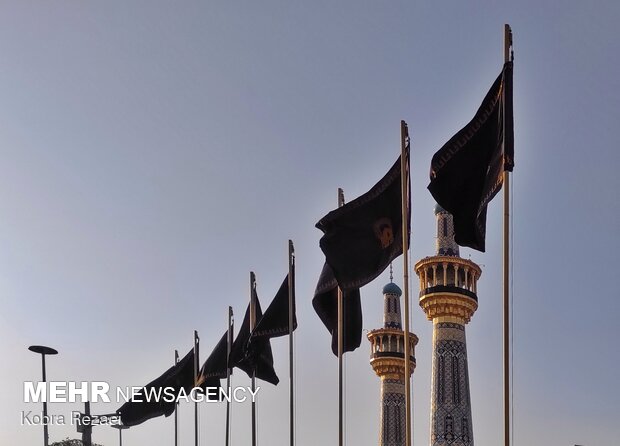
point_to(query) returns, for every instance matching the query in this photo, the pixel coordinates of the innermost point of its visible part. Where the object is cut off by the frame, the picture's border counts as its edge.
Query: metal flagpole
(196, 347)
(340, 349)
(252, 325)
(291, 299)
(506, 263)
(404, 180)
(176, 407)
(229, 341)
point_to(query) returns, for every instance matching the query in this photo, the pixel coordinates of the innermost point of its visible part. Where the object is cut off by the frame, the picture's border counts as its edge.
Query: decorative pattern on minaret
(445, 244)
(388, 361)
(448, 297)
(450, 404)
(391, 310)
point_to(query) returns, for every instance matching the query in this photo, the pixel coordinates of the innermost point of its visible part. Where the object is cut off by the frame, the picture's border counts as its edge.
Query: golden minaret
(448, 297)
(387, 358)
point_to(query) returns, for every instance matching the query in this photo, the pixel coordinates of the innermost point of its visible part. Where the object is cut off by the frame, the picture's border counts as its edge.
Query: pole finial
(391, 273)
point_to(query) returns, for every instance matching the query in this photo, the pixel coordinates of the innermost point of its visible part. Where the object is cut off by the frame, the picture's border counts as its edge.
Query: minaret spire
(387, 358)
(448, 297)
(445, 244)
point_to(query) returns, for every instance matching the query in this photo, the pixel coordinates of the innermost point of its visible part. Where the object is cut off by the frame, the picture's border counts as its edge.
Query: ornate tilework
(391, 311)
(445, 244)
(449, 331)
(393, 415)
(450, 404)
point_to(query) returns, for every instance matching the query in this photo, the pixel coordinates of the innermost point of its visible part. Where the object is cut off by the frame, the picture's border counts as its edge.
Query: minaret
(387, 358)
(448, 297)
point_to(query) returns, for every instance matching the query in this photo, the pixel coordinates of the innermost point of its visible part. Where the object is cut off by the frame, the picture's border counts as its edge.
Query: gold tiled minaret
(387, 357)
(448, 297)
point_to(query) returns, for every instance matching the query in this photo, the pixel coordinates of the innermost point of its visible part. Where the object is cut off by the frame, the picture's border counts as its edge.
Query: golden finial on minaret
(387, 358)
(448, 297)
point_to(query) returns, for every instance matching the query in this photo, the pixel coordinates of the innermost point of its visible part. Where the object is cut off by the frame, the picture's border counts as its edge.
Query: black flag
(360, 239)
(325, 303)
(274, 322)
(257, 356)
(214, 367)
(150, 402)
(466, 172)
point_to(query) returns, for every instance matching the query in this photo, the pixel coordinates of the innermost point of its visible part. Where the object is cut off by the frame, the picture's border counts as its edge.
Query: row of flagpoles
(250, 351)
(360, 239)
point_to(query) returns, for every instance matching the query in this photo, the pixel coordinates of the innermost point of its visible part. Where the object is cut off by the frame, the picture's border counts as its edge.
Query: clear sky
(153, 153)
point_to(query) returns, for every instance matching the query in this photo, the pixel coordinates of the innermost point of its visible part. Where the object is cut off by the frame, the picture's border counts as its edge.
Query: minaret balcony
(392, 368)
(395, 355)
(387, 351)
(451, 305)
(448, 274)
(451, 289)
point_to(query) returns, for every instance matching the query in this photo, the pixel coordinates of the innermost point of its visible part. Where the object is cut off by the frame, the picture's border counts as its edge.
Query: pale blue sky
(153, 153)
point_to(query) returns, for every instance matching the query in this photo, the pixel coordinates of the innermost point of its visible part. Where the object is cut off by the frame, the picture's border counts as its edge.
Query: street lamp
(42, 350)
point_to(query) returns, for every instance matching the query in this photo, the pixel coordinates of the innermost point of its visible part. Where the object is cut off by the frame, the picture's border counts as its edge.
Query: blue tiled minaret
(388, 361)
(448, 297)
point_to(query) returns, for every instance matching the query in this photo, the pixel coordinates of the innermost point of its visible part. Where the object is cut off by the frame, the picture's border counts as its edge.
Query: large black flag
(466, 172)
(179, 376)
(325, 303)
(274, 322)
(255, 357)
(360, 239)
(214, 367)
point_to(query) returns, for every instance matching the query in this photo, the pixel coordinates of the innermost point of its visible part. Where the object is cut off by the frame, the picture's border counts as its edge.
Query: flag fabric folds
(274, 322)
(467, 171)
(360, 239)
(325, 304)
(255, 357)
(179, 376)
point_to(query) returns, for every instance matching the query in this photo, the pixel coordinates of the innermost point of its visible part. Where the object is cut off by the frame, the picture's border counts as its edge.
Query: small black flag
(274, 322)
(466, 172)
(255, 357)
(362, 237)
(325, 303)
(150, 401)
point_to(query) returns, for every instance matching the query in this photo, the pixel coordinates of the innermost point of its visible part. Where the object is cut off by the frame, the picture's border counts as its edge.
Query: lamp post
(120, 428)
(42, 350)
